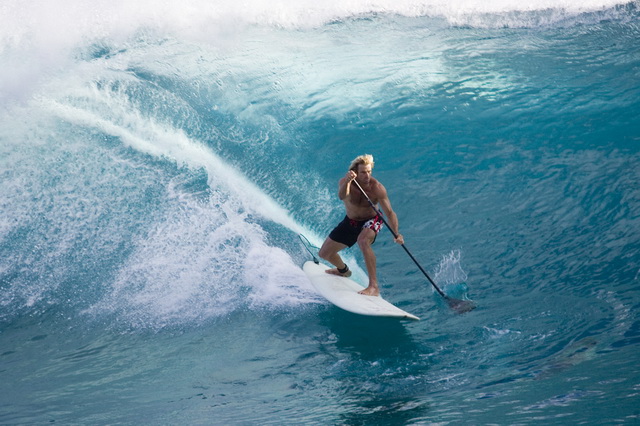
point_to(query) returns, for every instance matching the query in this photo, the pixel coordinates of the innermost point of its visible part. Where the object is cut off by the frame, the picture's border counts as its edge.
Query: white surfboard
(343, 293)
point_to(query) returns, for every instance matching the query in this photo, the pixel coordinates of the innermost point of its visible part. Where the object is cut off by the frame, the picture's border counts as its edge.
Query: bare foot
(335, 271)
(370, 291)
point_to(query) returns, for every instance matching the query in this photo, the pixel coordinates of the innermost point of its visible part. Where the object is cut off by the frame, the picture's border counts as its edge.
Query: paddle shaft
(403, 246)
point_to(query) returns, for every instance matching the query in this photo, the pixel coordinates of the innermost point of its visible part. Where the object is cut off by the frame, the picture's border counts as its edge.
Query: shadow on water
(371, 338)
(379, 368)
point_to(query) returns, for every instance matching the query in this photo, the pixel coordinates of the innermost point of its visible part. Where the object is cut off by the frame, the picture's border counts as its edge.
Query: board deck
(343, 293)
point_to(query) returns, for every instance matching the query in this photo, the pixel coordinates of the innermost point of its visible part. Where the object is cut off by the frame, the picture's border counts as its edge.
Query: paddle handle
(403, 246)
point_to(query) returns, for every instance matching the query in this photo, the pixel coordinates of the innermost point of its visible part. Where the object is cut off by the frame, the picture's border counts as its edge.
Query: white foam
(40, 39)
(50, 26)
(201, 262)
(60, 22)
(275, 279)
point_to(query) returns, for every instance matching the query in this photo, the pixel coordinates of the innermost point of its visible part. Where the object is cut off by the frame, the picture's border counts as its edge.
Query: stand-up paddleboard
(343, 293)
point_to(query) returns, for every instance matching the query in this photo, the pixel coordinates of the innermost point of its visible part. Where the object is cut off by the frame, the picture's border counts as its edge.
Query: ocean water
(158, 161)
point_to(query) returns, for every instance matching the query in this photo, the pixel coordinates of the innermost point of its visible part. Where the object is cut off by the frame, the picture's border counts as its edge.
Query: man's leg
(329, 252)
(365, 239)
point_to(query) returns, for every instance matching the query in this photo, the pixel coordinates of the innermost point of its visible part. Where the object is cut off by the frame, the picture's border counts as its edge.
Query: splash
(449, 270)
(147, 136)
(199, 259)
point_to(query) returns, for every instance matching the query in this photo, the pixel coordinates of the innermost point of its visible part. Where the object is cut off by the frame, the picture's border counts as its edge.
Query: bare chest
(359, 200)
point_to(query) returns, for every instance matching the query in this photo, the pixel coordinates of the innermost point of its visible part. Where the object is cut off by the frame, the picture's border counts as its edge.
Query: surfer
(362, 223)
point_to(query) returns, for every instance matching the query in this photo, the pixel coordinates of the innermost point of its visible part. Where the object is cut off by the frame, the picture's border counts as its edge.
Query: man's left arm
(385, 204)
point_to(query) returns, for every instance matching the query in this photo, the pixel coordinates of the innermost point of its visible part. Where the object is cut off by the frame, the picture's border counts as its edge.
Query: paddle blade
(461, 306)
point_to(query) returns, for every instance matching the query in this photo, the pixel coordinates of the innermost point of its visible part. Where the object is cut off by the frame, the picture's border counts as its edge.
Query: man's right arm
(344, 186)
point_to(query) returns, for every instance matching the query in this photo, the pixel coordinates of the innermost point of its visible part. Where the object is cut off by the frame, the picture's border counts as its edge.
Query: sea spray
(450, 275)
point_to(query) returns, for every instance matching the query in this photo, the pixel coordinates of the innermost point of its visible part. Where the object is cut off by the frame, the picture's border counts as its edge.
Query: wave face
(157, 162)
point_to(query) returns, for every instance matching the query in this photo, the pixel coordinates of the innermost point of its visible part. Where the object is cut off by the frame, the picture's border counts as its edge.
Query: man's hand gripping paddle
(458, 305)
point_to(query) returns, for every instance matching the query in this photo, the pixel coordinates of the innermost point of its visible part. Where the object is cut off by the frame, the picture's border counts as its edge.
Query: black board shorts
(348, 230)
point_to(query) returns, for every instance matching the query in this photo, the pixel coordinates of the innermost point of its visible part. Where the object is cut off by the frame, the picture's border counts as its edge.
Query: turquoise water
(158, 162)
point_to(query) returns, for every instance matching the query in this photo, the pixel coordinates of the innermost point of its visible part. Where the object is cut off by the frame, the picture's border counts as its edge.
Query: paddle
(458, 305)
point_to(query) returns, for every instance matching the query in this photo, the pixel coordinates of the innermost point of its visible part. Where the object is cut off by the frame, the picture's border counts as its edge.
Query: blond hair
(361, 159)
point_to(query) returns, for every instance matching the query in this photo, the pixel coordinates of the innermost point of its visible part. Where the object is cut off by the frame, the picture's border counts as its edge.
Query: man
(362, 223)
